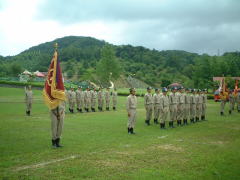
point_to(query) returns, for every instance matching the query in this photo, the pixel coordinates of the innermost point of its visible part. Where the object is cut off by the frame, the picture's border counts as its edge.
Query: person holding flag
(54, 97)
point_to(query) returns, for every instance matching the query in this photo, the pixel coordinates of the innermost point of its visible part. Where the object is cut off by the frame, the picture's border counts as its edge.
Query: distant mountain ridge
(79, 56)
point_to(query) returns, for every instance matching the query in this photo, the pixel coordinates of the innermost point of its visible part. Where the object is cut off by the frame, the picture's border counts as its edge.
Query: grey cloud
(196, 25)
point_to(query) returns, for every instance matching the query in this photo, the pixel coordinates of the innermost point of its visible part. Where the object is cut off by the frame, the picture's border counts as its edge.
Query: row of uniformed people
(90, 98)
(233, 98)
(183, 105)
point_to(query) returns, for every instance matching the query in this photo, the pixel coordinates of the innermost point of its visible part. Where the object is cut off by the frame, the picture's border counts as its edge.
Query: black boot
(114, 108)
(164, 125)
(87, 109)
(178, 123)
(221, 113)
(132, 132)
(155, 121)
(69, 109)
(147, 122)
(230, 112)
(80, 110)
(186, 123)
(53, 143)
(26, 112)
(58, 143)
(129, 131)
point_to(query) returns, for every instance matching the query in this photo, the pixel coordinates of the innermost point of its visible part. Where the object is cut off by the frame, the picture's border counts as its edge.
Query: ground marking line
(45, 163)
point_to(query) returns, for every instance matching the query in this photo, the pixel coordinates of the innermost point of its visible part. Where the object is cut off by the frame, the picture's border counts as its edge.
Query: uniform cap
(164, 89)
(149, 88)
(156, 89)
(174, 88)
(132, 89)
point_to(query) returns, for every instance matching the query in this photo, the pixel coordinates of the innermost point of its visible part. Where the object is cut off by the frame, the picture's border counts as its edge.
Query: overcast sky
(201, 26)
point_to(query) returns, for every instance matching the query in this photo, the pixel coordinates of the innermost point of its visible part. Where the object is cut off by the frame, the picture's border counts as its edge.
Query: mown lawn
(97, 146)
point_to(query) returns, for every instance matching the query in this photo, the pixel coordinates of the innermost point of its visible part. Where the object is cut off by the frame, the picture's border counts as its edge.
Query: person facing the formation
(148, 104)
(28, 99)
(131, 106)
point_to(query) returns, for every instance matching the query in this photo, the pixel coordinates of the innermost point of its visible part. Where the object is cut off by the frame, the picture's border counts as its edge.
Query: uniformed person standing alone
(114, 98)
(158, 105)
(100, 99)
(173, 101)
(57, 117)
(131, 110)
(80, 99)
(28, 99)
(71, 99)
(87, 99)
(93, 99)
(107, 98)
(148, 104)
(165, 103)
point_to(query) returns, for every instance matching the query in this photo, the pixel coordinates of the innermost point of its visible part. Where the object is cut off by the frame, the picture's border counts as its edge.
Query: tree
(108, 66)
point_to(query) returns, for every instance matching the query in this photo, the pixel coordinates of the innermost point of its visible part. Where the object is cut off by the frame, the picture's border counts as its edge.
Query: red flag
(53, 92)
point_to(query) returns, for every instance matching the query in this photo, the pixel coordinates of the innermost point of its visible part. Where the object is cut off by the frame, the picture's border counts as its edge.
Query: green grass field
(97, 146)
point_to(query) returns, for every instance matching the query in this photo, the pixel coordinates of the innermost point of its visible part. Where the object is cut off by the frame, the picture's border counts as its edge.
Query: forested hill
(79, 56)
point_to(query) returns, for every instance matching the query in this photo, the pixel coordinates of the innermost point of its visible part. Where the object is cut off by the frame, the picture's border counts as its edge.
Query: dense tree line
(82, 58)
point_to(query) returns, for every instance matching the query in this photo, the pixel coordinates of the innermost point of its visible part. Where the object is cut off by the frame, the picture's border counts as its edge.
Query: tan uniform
(187, 106)
(28, 99)
(93, 99)
(158, 106)
(71, 99)
(114, 99)
(199, 103)
(57, 117)
(204, 105)
(132, 110)
(181, 106)
(192, 106)
(148, 103)
(80, 99)
(165, 100)
(87, 99)
(107, 99)
(173, 101)
(100, 99)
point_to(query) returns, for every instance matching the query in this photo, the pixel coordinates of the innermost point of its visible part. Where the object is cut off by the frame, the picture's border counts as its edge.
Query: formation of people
(233, 98)
(183, 106)
(88, 100)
